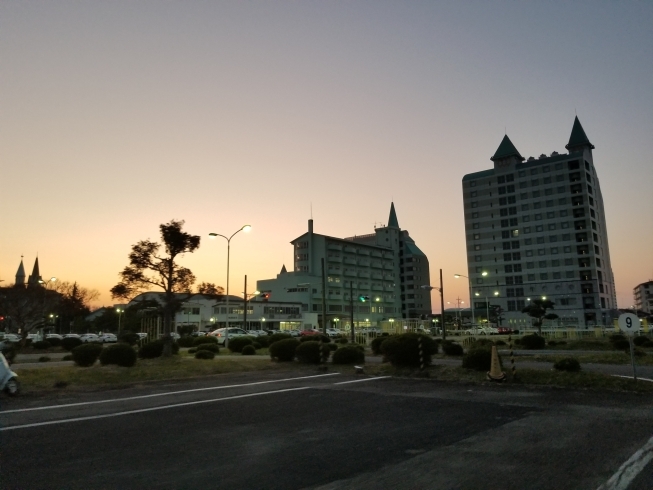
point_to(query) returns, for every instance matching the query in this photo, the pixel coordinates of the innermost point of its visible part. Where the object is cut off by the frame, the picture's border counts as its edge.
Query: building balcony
(350, 272)
(377, 287)
(349, 249)
(333, 246)
(389, 277)
(377, 275)
(333, 270)
(377, 265)
(363, 251)
(376, 253)
(364, 274)
(364, 263)
(349, 261)
(388, 266)
(334, 257)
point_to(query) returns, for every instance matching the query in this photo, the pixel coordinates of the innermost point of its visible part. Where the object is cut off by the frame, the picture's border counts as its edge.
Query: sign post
(629, 324)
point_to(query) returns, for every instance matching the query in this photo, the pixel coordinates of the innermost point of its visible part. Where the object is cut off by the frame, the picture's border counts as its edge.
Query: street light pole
(441, 289)
(244, 228)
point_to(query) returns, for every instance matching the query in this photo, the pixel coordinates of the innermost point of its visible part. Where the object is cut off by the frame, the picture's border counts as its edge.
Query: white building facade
(643, 295)
(537, 229)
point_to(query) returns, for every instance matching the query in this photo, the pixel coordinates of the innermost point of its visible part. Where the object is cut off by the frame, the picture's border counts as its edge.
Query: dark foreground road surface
(264, 431)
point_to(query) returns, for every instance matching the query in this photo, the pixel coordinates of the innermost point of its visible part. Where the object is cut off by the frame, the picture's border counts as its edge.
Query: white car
(220, 333)
(71, 336)
(332, 332)
(292, 333)
(90, 337)
(108, 338)
(53, 336)
(141, 335)
(11, 337)
(198, 334)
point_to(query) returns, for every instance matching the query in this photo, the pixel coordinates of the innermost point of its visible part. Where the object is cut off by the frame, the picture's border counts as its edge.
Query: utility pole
(444, 327)
(323, 300)
(351, 306)
(245, 309)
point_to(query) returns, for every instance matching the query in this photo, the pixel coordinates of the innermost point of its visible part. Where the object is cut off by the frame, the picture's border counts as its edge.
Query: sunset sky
(118, 116)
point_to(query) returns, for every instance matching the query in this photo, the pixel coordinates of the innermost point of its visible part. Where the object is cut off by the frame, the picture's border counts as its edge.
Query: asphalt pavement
(327, 431)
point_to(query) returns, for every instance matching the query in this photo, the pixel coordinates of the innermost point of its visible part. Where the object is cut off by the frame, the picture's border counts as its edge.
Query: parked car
(292, 332)
(108, 338)
(12, 337)
(141, 335)
(71, 336)
(504, 330)
(90, 337)
(332, 332)
(53, 336)
(198, 334)
(309, 331)
(221, 334)
(34, 337)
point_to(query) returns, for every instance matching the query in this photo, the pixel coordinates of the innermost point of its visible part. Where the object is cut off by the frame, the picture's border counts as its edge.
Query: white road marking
(169, 393)
(630, 469)
(630, 377)
(151, 409)
(361, 380)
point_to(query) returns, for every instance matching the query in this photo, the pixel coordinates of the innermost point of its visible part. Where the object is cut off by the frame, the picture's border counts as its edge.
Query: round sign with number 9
(629, 323)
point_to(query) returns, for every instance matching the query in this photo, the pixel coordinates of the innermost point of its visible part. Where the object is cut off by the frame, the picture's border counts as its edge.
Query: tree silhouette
(149, 268)
(538, 309)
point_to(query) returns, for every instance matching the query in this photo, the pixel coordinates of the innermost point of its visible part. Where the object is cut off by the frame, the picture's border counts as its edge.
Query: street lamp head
(426, 286)
(543, 297)
(484, 273)
(213, 235)
(457, 276)
(477, 294)
(257, 292)
(246, 228)
(496, 293)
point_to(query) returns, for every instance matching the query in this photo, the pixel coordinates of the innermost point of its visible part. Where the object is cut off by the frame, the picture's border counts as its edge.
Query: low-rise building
(643, 294)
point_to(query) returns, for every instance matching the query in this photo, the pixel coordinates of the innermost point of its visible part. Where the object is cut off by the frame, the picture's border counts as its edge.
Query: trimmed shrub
(348, 354)
(256, 345)
(85, 355)
(342, 340)
(325, 351)
(42, 345)
(500, 342)
(567, 364)
(308, 352)
(276, 337)
(206, 339)
(154, 349)
(237, 343)
(637, 352)
(552, 343)
(263, 341)
(332, 347)
(621, 345)
(641, 340)
(315, 338)
(186, 341)
(204, 354)
(67, 357)
(54, 341)
(532, 342)
(69, 343)
(284, 350)
(248, 350)
(617, 336)
(451, 349)
(193, 350)
(128, 337)
(648, 343)
(403, 350)
(478, 358)
(120, 354)
(482, 343)
(44, 359)
(376, 345)
(215, 348)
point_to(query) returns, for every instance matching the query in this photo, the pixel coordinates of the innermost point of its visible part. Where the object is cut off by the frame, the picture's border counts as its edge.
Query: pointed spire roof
(392, 219)
(578, 136)
(283, 269)
(506, 149)
(20, 274)
(35, 276)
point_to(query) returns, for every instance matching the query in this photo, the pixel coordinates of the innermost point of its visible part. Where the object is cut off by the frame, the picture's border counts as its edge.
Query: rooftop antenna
(311, 210)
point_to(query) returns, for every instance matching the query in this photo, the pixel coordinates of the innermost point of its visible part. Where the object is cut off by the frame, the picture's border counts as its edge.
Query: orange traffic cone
(495, 373)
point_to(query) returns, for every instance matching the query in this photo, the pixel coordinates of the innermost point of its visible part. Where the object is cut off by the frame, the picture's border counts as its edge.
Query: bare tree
(149, 268)
(27, 308)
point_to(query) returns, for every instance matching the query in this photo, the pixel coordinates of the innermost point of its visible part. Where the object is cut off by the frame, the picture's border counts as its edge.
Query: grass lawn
(177, 367)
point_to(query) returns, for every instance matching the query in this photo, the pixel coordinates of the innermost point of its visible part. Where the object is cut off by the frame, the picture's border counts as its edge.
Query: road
(323, 431)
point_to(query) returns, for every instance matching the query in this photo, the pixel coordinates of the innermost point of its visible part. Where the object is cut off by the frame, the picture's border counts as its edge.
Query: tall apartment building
(643, 294)
(386, 266)
(537, 229)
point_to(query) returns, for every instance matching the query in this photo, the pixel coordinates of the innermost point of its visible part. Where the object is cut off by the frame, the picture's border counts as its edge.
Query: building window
(549, 204)
(569, 274)
(474, 215)
(524, 207)
(477, 236)
(472, 183)
(540, 239)
(477, 247)
(526, 218)
(544, 276)
(535, 182)
(473, 194)
(474, 204)
(550, 215)
(529, 253)
(536, 194)
(551, 226)
(507, 257)
(528, 241)
(531, 277)
(539, 228)
(538, 216)
(516, 256)
(475, 226)
(527, 229)
(541, 251)
(563, 213)
(553, 238)
(478, 258)
(557, 275)
(554, 250)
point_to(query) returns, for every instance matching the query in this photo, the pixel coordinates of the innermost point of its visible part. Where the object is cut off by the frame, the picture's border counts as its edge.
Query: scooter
(8, 379)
